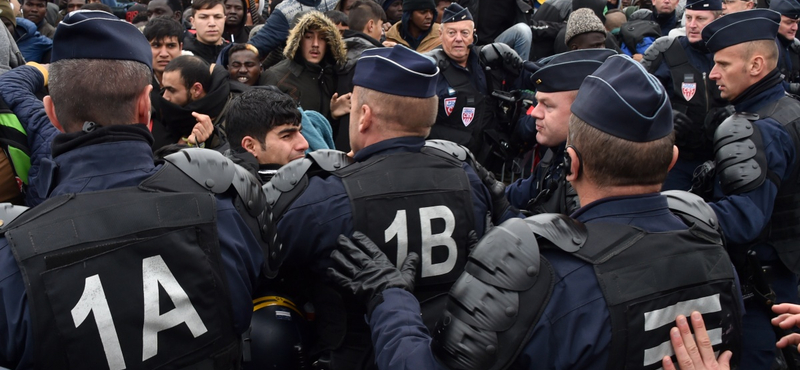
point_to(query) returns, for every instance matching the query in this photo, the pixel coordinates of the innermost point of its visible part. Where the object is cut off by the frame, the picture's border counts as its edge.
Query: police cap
(740, 27)
(566, 71)
(623, 100)
(396, 71)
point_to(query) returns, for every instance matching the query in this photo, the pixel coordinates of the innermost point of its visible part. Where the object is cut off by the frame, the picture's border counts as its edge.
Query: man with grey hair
(89, 295)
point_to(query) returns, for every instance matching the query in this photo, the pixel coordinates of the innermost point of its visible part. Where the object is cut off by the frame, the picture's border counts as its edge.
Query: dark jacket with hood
(355, 42)
(33, 45)
(311, 85)
(172, 122)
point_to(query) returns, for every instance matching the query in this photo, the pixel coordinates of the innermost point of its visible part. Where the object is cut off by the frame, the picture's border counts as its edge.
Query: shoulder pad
(249, 189)
(565, 233)
(330, 160)
(209, 168)
(643, 14)
(741, 163)
(691, 208)
(493, 306)
(795, 46)
(652, 53)
(8, 213)
(457, 151)
(288, 176)
(439, 57)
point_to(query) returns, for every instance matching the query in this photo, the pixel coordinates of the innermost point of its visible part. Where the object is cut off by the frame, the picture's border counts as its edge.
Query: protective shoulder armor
(795, 46)
(495, 304)
(439, 57)
(8, 213)
(741, 163)
(456, 151)
(660, 45)
(691, 208)
(208, 168)
(292, 178)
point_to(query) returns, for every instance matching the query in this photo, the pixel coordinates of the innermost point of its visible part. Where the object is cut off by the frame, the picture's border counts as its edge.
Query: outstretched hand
(694, 352)
(360, 267)
(788, 317)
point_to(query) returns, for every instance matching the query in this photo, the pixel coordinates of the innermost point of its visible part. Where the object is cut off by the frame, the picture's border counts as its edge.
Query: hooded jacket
(428, 42)
(172, 122)
(311, 85)
(33, 46)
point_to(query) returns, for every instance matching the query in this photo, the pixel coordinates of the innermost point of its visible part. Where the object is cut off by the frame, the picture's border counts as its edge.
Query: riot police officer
(755, 191)
(408, 195)
(595, 292)
(128, 264)
(682, 64)
(467, 112)
(557, 80)
(788, 44)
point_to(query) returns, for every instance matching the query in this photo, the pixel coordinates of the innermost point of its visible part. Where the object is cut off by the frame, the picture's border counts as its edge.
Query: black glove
(501, 56)
(714, 120)
(361, 268)
(687, 134)
(497, 189)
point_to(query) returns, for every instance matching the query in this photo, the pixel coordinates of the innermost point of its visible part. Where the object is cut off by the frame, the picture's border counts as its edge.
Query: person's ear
(144, 105)
(249, 144)
(50, 110)
(366, 119)
(196, 90)
(572, 162)
(675, 152)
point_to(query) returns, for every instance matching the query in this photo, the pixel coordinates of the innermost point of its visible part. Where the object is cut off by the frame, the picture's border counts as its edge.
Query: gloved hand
(361, 268)
(687, 134)
(497, 189)
(499, 55)
(714, 120)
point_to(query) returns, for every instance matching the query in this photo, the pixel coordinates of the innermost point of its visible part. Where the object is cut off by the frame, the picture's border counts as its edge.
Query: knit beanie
(410, 5)
(388, 3)
(6, 12)
(582, 21)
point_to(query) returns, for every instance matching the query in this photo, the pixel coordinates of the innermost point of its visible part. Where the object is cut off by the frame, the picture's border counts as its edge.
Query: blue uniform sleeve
(520, 192)
(17, 88)
(400, 339)
(242, 259)
(743, 216)
(272, 34)
(16, 339)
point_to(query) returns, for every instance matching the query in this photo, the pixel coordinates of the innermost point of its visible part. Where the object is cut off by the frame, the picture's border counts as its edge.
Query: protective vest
(130, 278)
(695, 95)
(405, 202)
(555, 195)
(467, 112)
(790, 64)
(495, 305)
(14, 142)
(783, 230)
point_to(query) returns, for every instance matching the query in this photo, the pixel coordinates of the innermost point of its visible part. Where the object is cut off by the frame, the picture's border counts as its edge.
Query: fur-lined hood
(316, 20)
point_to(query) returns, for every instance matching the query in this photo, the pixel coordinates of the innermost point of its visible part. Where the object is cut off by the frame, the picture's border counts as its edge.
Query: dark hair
(362, 11)
(611, 161)
(175, 5)
(206, 4)
(159, 28)
(257, 111)
(193, 69)
(337, 17)
(98, 6)
(236, 47)
(81, 91)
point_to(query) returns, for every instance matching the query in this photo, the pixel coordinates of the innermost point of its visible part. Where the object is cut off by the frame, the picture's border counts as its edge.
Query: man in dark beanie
(754, 193)
(394, 10)
(683, 65)
(551, 292)
(85, 275)
(416, 30)
(412, 197)
(789, 45)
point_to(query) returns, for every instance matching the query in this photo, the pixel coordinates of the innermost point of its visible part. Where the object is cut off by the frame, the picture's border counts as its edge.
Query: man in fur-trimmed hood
(314, 52)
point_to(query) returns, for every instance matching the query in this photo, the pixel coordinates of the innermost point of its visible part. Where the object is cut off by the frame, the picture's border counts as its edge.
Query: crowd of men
(296, 184)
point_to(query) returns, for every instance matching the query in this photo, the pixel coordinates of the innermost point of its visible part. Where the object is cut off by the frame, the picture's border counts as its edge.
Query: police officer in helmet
(754, 192)
(407, 194)
(595, 292)
(128, 264)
